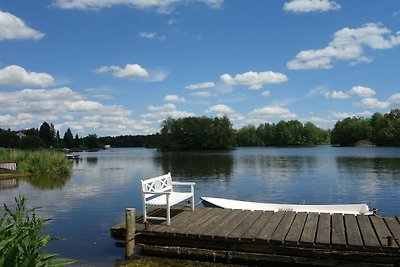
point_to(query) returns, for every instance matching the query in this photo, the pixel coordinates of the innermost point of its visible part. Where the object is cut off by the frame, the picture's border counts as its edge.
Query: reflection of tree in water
(91, 160)
(383, 166)
(47, 182)
(192, 164)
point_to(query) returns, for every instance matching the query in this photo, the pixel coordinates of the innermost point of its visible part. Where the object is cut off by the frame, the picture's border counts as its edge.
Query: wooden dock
(283, 238)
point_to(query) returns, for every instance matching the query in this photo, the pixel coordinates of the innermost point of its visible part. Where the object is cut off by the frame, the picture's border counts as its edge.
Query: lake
(85, 206)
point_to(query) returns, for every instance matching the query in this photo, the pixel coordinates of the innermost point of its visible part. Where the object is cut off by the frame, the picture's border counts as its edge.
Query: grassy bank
(37, 162)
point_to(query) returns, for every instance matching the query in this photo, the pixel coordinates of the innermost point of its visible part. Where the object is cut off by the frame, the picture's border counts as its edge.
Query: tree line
(379, 130)
(203, 133)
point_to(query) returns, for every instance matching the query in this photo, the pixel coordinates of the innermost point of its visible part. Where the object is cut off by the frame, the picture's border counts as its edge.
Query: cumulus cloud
(373, 103)
(14, 75)
(201, 94)
(200, 85)
(254, 80)
(161, 6)
(220, 109)
(12, 27)
(362, 91)
(336, 116)
(347, 45)
(304, 6)
(336, 95)
(130, 71)
(157, 114)
(65, 108)
(174, 98)
(266, 93)
(273, 111)
(395, 99)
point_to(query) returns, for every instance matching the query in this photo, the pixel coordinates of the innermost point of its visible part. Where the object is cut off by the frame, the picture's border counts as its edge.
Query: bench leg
(193, 202)
(168, 216)
(144, 214)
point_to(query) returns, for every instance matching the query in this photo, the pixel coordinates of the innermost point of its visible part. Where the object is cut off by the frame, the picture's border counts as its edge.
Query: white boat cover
(356, 209)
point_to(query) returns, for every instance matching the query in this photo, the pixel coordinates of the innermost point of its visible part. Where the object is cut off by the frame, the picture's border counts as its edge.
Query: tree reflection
(47, 182)
(191, 164)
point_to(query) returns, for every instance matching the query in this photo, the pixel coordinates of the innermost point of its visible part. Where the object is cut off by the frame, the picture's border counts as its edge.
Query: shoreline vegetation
(204, 133)
(38, 162)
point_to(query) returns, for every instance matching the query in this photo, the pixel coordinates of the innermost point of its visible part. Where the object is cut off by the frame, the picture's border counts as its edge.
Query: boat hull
(355, 209)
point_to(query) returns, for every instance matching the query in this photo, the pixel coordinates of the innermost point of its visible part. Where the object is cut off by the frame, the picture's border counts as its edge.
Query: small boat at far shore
(355, 209)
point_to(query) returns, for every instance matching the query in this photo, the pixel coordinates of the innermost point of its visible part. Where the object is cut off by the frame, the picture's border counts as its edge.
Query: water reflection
(47, 182)
(8, 183)
(204, 165)
(92, 160)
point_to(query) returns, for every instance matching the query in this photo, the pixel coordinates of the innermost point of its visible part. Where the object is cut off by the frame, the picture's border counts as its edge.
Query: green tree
(194, 133)
(68, 139)
(8, 139)
(92, 142)
(31, 142)
(247, 136)
(47, 133)
(351, 130)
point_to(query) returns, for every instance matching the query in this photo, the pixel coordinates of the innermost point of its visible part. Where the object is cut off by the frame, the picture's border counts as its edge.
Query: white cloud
(201, 94)
(161, 6)
(336, 116)
(336, 95)
(14, 75)
(303, 6)
(174, 98)
(254, 80)
(220, 109)
(12, 27)
(152, 35)
(362, 91)
(172, 21)
(66, 109)
(395, 99)
(130, 71)
(268, 113)
(347, 45)
(215, 4)
(373, 103)
(266, 93)
(147, 35)
(200, 85)
(159, 113)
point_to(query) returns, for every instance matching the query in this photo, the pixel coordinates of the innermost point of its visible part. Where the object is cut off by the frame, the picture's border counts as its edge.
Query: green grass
(37, 162)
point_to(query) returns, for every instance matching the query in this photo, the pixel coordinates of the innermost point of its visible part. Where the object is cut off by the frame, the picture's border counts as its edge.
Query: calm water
(103, 184)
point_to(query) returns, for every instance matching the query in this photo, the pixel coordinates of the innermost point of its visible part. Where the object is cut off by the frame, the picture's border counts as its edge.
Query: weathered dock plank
(338, 231)
(381, 230)
(296, 230)
(283, 227)
(324, 229)
(354, 238)
(244, 225)
(269, 228)
(310, 229)
(255, 228)
(367, 232)
(393, 224)
(286, 237)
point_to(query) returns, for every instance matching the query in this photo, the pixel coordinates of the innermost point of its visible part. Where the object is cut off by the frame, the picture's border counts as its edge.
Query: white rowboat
(356, 209)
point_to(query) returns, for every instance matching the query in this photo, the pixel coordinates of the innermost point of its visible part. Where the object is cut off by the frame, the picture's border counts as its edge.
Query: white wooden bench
(159, 192)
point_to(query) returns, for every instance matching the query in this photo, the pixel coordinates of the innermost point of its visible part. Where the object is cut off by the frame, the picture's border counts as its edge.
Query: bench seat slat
(174, 198)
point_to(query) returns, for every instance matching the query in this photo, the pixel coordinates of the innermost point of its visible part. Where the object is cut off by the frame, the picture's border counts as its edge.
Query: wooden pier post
(130, 232)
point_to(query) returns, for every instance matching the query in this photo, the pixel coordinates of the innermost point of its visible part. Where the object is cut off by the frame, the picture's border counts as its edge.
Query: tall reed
(37, 162)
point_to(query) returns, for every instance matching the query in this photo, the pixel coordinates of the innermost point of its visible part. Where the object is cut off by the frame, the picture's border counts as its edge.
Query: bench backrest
(161, 183)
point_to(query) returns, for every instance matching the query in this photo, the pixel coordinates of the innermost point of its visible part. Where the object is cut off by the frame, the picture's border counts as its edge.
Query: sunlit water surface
(85, 206)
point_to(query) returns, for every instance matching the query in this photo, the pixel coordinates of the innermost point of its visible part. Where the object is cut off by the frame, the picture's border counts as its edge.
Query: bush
(21, 239)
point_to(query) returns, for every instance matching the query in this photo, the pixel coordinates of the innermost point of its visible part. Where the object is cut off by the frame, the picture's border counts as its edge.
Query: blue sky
(116, 67)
